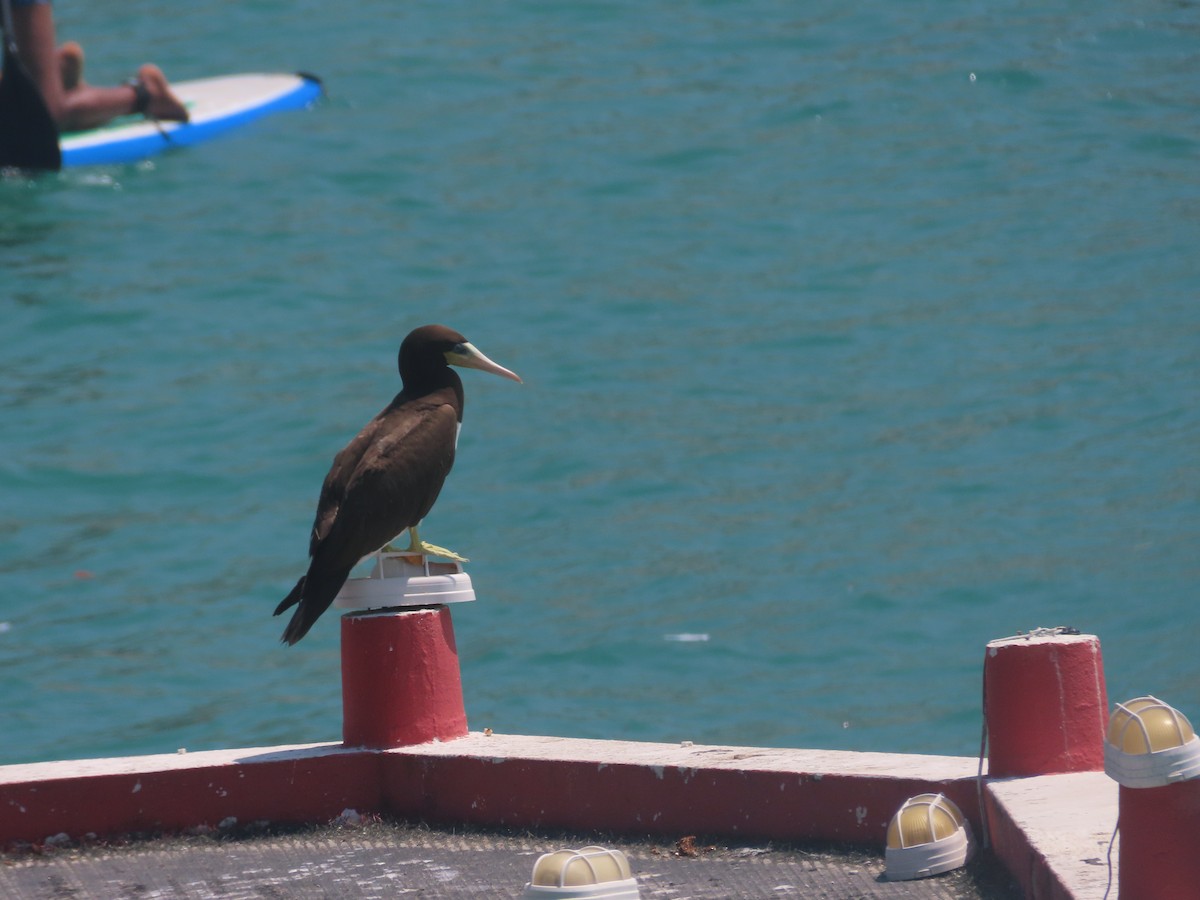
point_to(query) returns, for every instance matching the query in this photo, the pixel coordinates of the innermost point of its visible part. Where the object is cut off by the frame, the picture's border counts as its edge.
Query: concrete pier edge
(1050, 831)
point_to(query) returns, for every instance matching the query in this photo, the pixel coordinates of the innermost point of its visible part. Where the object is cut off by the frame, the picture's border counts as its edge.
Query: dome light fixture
(594, 873)
(928, 835)
(1150, 744)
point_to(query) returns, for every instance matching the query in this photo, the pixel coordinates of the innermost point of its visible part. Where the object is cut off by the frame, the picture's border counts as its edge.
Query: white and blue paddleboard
(215, 105)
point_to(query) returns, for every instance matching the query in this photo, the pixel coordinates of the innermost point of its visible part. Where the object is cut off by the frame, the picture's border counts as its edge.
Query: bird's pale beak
(466, 356)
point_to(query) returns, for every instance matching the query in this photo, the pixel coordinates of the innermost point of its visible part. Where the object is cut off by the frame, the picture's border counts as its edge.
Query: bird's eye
(459, 349)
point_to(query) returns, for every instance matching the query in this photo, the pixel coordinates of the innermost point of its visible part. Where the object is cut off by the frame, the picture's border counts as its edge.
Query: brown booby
(385, 481)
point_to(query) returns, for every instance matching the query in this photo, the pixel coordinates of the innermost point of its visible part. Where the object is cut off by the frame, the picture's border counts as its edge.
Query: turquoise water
(854, 336)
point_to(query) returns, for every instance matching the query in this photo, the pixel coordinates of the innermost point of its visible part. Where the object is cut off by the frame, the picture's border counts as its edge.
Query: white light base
(395, 582)
(626, 889)
(933, 858)
(1157, 769)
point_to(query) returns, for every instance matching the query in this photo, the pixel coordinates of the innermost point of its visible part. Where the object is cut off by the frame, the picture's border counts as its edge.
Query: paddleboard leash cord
(141, 103)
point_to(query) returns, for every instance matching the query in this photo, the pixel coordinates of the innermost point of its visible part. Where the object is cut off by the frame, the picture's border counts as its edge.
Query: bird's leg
(414, 548)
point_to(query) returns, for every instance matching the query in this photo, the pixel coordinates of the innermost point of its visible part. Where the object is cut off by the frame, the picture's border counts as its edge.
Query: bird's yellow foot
(417, 550)
(442, 552)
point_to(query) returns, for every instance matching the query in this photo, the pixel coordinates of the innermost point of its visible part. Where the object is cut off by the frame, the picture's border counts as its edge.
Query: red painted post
(400, 678)
(1159, 856)
(1045, 704)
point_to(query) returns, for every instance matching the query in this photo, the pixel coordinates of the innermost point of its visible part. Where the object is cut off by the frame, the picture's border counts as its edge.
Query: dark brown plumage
(387, 478)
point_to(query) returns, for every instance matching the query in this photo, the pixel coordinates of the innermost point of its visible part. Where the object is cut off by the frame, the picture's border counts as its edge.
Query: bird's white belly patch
(457, 432)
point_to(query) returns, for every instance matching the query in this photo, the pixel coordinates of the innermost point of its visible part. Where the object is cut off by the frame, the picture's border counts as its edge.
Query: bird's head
(432, 346)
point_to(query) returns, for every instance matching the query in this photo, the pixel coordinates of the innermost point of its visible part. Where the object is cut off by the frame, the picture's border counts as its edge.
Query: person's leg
(85, 106)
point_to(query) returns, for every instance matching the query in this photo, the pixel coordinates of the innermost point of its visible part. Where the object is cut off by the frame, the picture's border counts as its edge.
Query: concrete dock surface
(369, 857)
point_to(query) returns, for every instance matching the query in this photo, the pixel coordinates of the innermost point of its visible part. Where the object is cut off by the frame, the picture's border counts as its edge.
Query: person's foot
(160, 102)
(70, 65)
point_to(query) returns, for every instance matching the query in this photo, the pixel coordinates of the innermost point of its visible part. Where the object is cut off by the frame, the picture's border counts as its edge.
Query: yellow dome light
(1150, 744)
(927, 836)
(593, 872)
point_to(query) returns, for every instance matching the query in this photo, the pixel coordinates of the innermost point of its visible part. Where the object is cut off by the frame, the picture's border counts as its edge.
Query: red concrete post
(1159, 856)
(1045, 704)
(400, 678)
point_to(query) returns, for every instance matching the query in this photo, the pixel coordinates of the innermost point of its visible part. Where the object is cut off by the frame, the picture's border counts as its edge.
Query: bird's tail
(293, 598)
(314, 592)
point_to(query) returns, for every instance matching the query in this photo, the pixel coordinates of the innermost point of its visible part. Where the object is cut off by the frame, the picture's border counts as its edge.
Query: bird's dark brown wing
(340, 473)
(393, 485)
